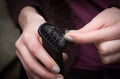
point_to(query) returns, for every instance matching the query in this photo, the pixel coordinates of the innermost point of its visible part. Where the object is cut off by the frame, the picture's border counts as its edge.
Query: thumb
(91, 33)
(79, 37)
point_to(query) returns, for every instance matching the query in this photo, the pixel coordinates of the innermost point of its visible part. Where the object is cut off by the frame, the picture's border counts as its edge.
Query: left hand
(104, 31)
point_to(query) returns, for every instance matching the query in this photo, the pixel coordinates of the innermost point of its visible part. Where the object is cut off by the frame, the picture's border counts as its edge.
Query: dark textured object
(53, 42)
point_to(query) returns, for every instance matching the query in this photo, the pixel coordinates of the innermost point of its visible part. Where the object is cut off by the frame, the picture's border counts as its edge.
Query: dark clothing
(49, 10)
(71, 15)
(84, 11)
(102, 74)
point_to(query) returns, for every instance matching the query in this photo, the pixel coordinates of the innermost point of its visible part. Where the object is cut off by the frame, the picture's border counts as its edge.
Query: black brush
(53, 42)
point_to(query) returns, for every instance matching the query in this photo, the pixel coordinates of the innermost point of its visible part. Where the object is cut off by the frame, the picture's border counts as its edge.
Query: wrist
(29, 15)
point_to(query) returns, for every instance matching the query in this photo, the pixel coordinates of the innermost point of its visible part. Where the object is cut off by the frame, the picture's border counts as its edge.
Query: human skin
(36, 61)
(104, 32)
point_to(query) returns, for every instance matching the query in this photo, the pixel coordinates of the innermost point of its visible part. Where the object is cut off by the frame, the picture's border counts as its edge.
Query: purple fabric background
(84, 11)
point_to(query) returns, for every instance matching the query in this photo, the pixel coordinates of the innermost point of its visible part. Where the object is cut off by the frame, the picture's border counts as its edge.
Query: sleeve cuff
(117, 5)
(15, 7)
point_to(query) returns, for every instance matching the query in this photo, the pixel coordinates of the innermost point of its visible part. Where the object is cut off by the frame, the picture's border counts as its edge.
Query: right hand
(36, 61)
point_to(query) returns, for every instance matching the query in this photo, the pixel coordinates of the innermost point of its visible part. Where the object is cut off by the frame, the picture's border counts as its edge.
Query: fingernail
(56, 69)
(60, 77)
(66, 31)
(69, 38)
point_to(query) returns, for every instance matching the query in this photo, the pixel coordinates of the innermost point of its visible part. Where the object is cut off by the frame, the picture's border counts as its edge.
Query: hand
(104, 31)
(36, 61)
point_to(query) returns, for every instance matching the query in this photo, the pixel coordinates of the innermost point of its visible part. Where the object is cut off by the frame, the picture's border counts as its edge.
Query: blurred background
(9, 64)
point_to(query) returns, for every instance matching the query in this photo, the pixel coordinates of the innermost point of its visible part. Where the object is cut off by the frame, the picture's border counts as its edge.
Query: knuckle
(30, 66)
(27, 69)
(17, 43)
(31, 42)
(102, 49)
(49, 76)
(34, 48)
(25, 36)
(105, 60)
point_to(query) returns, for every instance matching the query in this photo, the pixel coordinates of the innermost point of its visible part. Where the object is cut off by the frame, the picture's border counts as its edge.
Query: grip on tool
(53, 42)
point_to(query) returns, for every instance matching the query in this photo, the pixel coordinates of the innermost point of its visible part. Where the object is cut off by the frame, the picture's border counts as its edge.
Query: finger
(109, 47)
(102, 19)
(33, 65)
(93, 36)
(20, 58)
(95, 24)
(65, 56)
(24, 65)
(38, 51)
(32, 75)
(112, 58)
(29, 76)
